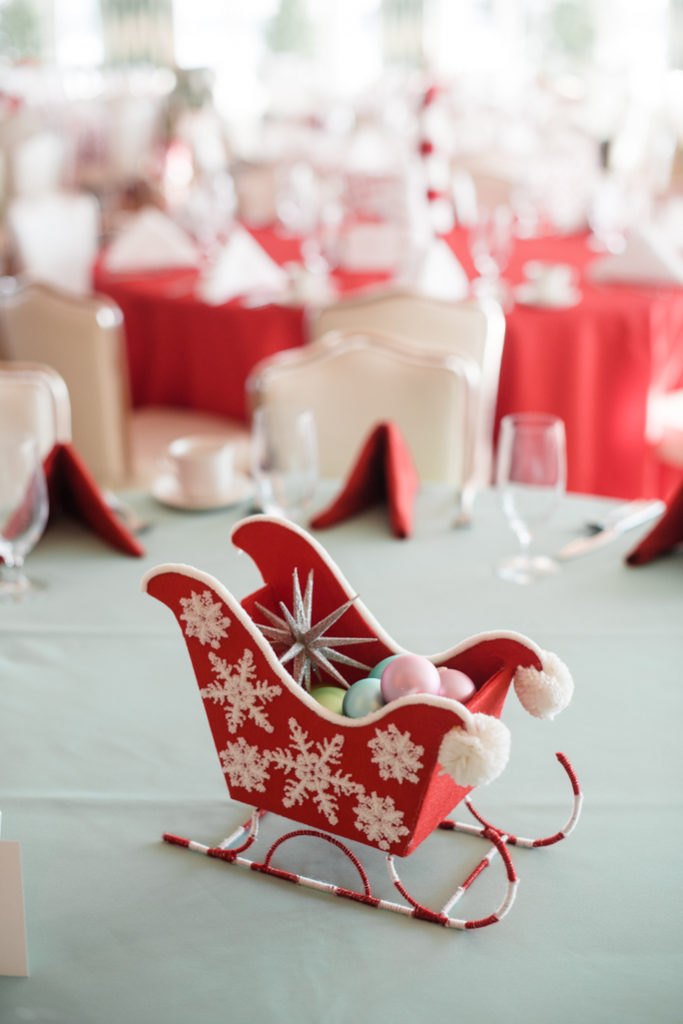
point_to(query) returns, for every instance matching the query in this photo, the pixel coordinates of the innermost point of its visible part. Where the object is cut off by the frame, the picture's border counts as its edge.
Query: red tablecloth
(594, 364)
(184, 352)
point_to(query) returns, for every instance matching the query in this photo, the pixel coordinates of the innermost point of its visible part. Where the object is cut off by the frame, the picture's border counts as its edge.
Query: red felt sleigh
(387, 780)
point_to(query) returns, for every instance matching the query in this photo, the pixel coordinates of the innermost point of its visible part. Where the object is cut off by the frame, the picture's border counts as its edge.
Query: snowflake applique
(238, 691)
(244, 766)
(204, 618)
(379, 819)
(312, 771)
(396, 755)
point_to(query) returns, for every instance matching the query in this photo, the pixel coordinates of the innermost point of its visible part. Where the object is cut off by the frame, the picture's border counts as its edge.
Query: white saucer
(527, 295)
(166, 490)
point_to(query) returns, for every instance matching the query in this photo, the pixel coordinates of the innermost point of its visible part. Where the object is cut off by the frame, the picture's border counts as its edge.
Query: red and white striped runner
(246, 835)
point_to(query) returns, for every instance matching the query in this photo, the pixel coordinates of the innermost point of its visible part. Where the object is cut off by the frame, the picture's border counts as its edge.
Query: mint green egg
(331, 697)
(364, 697)
(376, 672)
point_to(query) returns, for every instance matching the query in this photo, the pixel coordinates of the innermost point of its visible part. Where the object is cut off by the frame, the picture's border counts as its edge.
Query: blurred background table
(105, 746)
(596, 364)
(183, 351)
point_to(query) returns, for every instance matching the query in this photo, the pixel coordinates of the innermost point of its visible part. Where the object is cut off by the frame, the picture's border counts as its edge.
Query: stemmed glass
(284, 459)
(531, 475)
(607, 216)
(23, 511)
(490, 242)
(298, 199)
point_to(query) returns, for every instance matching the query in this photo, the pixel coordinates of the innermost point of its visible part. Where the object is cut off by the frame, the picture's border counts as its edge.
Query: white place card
(13, 952)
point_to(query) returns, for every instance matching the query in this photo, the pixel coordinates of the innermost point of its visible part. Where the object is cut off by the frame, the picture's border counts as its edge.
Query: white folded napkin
(439, 274)
(242, 268)
(150, 240)
(649, 258)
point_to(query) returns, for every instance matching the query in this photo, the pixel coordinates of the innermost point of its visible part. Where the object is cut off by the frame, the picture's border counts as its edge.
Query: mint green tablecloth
(104, 745)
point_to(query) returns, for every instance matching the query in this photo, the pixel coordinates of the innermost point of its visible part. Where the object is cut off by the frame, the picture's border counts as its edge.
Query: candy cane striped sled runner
(231, 849)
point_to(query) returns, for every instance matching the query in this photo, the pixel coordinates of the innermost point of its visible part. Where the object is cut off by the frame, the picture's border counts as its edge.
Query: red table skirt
(594, 364)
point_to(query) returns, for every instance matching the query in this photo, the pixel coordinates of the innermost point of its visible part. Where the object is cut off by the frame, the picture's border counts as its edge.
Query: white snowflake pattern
(396, 755)
(314, 772)
(244, 766)
(204, 618)
(379, 819)
(238, 691)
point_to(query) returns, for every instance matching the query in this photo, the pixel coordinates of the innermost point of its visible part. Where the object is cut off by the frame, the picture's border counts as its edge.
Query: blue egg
(363, 697)
(379, 668)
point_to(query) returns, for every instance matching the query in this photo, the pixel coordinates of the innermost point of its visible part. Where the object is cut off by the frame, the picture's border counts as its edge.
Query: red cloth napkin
(383, 471)
(664, 536)
(73, 491)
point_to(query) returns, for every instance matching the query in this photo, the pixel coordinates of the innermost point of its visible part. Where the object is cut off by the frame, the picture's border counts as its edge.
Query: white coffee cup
(552, 282)
(203, 465)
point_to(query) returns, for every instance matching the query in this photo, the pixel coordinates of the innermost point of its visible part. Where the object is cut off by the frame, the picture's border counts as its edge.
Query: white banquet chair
(352, 380)
(37, 162)
(82, 338)
(472, 328)
(55, 238)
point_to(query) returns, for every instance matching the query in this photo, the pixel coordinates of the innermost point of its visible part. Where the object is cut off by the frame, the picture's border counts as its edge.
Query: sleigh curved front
(376, 780)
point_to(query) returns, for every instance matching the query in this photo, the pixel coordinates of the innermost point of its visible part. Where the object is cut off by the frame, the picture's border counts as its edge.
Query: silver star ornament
(307, 644)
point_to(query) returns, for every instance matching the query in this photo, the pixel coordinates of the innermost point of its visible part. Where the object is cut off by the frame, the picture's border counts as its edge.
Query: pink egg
(455, 684)
(409, 673)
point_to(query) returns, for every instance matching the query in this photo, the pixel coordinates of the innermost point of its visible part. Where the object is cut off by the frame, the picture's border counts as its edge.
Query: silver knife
(639, 516)
(618, 512)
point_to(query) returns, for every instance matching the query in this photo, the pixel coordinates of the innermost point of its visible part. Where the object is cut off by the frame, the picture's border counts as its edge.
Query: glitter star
(308, 646)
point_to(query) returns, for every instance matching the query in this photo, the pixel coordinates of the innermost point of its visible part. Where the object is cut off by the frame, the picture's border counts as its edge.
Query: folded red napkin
(73, 491)
(664, 536)
(383, 471)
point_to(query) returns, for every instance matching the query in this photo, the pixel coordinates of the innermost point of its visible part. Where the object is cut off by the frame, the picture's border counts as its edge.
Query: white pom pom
(476, 754)
(545, 692)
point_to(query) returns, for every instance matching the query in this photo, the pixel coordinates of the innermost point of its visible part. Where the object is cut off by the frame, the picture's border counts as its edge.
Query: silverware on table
(618, 521)
(649, 507)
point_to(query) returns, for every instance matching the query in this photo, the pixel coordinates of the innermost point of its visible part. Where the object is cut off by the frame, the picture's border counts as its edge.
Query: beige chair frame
(471, 328)
(82, 339)
(353, 380)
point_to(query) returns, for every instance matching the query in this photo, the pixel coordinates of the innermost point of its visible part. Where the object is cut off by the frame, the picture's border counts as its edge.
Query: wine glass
(490, 242)
(607, 216)
(298, 199)
(284, 459)
(23, 511)
(531, 474)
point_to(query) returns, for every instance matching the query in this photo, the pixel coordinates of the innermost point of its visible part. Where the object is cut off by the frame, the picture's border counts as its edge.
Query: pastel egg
(381, 665)
(455, 684)
(363, 697)
(331, 697)
(409, 673)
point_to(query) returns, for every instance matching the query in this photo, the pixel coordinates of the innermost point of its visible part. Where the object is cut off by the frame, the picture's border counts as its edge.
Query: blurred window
(345, 44)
